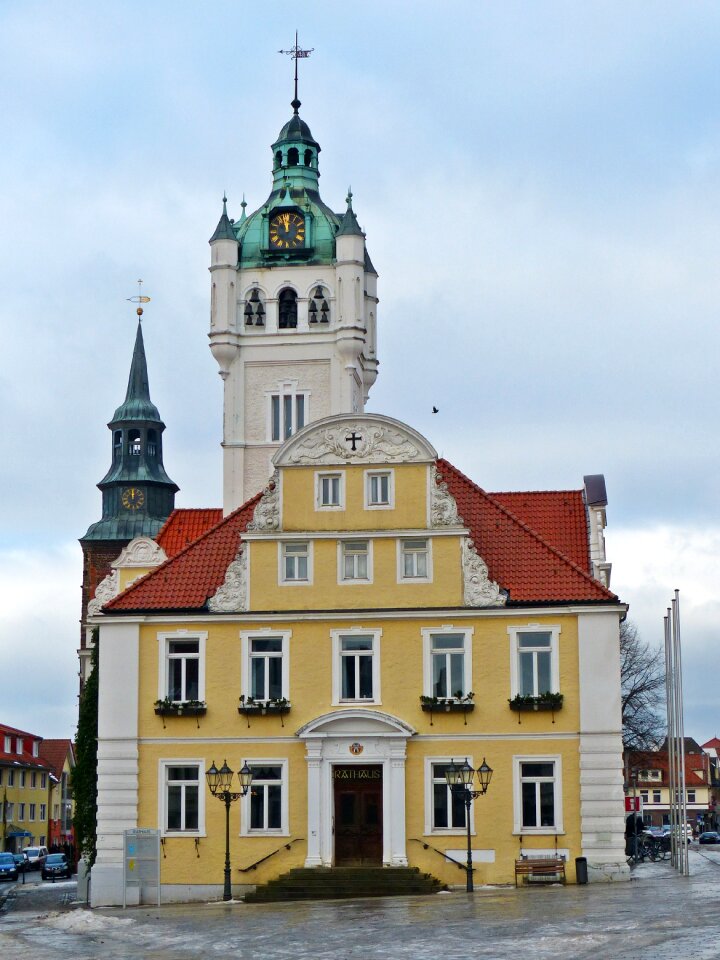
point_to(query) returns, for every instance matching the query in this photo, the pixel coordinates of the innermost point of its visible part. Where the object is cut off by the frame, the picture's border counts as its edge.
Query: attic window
(293, 157)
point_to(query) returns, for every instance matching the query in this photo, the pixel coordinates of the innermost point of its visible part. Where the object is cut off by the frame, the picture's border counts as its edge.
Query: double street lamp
(220, 782)
(460, 780)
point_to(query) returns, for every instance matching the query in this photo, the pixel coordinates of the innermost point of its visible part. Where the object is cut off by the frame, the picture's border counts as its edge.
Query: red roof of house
(519, 559)
(54, 752)
(658, 760)
(183, 527)
(714, 742)
(535, 566)
(559, 516)
(187, 580)
(25, 758)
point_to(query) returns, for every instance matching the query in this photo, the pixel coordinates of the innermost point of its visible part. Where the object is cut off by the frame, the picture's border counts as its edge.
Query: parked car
(8, 867)
(22, 862)
(36, 856)
(710, 836)
(55, 866)
(687, 832)
(654, 831)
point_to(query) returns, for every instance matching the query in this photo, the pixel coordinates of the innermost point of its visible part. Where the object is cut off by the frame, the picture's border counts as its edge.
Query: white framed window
(33, 808)
(1, 776)
(330, 491)
(36, 748)
(447, 661)
(691, 796)
(287, 411)
(295, 561)
(43, 811)
(181, 667)
(182, 797)
(265, 806)
(11, 778)
(537, 794)
(356, 665)
(414, 560)
(23, 778)
(534, 660)
(10, 807)
(8, 744)
(379, 489)
(645, 796)
(43, 781)
(266, 665)
(445, 811)
(33, 779)
(18, 745)
(656, 796)
(354, 561)
(21, 811)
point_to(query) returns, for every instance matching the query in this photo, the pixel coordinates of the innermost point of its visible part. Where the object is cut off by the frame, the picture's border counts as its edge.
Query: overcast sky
(539, 187)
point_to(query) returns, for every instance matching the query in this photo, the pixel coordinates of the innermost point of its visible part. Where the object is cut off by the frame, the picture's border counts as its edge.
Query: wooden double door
(358, 792)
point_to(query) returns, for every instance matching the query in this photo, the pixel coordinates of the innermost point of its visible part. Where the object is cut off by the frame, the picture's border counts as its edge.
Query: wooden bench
(542, 869)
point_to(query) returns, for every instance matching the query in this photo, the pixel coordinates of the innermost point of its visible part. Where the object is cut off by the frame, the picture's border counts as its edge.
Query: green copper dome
(295, 188)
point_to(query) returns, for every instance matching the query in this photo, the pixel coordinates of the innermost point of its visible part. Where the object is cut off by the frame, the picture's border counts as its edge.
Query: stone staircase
(344, 883)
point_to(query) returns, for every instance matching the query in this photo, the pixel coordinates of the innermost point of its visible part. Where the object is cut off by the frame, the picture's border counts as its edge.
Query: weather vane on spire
(297, 54)
(139, 299)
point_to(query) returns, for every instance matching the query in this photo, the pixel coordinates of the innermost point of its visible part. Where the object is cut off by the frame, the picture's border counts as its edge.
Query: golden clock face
(132, 498)
(287, 231)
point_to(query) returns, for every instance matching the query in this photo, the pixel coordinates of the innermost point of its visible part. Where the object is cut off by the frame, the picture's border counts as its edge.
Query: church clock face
(132, 498)
(287, 231)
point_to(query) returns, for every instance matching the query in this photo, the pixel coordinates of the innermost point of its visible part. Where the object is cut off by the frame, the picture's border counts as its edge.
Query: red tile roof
(714, 742)
(187, 580)
(183, 527)
(25, 758)
(545, 565)
(518, 558)
(54, 752)
(559, 516)
(696, 765)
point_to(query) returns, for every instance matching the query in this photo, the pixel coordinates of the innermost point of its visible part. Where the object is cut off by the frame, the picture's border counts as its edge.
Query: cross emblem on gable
(353, 438)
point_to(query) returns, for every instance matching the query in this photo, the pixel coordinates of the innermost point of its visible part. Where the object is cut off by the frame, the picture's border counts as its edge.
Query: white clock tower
(293, 314)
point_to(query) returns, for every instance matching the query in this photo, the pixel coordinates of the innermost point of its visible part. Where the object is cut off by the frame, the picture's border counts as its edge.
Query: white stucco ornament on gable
(105, 591)
(479, 590)
(363, 438)
(141, 552)
(232, 595)
(443, 508)
(266, 516)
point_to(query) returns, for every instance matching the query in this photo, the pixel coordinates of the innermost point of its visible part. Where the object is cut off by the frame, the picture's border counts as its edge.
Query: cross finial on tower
(139, 299)
(297, 54)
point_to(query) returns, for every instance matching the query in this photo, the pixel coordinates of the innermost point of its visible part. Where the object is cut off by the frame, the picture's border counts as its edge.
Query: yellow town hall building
(355, 624)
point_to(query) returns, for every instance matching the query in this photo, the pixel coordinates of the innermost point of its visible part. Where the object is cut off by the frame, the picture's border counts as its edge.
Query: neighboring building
(59, 756)
(712, 750)
(25, 785)
(137, 494)
(649, 776)
(348, 633)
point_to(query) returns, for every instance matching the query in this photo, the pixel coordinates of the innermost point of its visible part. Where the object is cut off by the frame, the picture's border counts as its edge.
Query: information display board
(141, 866)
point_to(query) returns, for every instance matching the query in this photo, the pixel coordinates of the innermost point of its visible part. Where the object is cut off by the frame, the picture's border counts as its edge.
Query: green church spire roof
(137, 405)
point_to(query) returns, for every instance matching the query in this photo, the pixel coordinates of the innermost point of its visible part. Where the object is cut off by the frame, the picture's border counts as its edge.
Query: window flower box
(545, 701)
(457, 704)
(250, 707)
(180, 708)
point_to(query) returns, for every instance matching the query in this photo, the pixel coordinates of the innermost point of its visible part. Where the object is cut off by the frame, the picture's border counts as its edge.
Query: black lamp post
(219, 782)
(460, 780)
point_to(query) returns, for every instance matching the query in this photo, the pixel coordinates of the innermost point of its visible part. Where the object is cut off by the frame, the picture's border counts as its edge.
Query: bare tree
(642, 678)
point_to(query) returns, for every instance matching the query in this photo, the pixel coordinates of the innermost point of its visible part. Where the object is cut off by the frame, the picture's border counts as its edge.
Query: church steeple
(138, 495)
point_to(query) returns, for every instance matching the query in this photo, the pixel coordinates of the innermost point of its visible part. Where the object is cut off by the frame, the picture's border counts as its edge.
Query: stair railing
(285, 846)
(445, 856)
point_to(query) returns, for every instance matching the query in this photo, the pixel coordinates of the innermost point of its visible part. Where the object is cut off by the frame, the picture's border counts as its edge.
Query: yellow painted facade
(401, 616)
(26, 792)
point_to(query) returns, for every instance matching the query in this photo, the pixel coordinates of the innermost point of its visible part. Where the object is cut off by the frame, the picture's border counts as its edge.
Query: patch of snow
(78, 921)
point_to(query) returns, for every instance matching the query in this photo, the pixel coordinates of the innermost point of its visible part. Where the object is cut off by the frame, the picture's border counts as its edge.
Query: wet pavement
(656, 915)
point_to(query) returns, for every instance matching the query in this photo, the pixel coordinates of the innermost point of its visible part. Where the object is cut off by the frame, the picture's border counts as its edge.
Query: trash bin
(581, 873)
